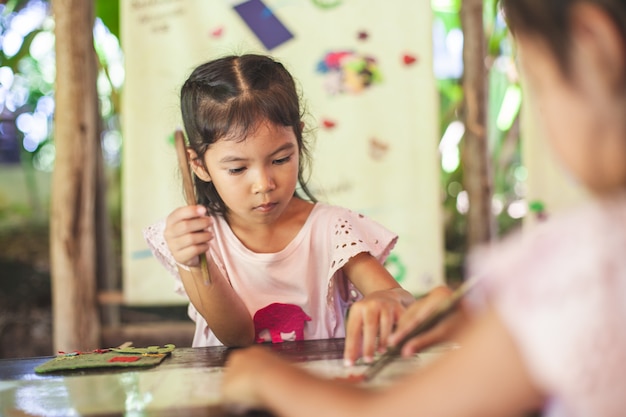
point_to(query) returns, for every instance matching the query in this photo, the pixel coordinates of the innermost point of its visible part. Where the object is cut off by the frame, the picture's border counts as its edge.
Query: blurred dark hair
(549, 19)
(227, 98)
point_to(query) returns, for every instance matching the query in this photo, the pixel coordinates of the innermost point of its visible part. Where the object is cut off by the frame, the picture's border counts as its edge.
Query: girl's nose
(264, 183)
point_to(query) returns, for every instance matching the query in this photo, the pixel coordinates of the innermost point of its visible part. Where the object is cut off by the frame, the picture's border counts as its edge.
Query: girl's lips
(265, 207)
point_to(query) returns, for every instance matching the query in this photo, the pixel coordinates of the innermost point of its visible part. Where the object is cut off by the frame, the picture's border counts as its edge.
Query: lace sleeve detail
(353, 233)
(153, 235)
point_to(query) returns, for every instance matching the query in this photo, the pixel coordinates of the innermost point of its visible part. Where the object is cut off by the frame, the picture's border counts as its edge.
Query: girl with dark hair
(282, 266)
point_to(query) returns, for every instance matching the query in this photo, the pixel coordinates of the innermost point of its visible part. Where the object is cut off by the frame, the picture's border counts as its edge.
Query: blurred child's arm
(257, 378)
(372, 319)
(417, 312)
(487, 377)
(188, 233)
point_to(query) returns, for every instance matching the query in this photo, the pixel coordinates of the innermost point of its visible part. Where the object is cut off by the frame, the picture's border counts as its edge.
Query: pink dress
(560, 289)
(306, 273)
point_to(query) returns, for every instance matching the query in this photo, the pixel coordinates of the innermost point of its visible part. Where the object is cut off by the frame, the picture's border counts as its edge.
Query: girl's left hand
(370, 322)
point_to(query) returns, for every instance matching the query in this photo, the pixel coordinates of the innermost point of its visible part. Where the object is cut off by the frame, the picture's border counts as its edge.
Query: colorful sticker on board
(263, 23)
(326, 4)
(378, 149)
(217, 32)
(409, 59)
(328, 124)
(348, 72)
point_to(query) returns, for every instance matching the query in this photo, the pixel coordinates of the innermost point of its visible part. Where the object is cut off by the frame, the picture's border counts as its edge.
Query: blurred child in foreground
(547, 326)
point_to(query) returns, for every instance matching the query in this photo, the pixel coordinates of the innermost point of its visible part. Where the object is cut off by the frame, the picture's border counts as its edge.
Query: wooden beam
(476, 155)
(76, 325)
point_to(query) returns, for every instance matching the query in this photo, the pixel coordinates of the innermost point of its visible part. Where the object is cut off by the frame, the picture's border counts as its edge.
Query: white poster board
(375, 146)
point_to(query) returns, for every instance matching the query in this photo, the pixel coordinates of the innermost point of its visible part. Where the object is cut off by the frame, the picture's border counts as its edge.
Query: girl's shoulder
(350, 232)
(331, 212)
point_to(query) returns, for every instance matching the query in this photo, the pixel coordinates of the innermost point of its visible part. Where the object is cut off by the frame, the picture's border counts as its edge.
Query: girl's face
(583, 118)
(256, 177)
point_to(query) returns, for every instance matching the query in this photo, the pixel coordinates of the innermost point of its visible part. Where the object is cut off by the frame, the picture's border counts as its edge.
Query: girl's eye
(235, 171)
(282, 160)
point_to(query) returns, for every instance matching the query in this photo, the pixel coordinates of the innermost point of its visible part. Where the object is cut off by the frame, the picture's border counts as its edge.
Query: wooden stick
(190, 194)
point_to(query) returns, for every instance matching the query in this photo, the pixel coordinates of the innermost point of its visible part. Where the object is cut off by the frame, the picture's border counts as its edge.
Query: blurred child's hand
(187, 234)
(416, 313)
(244, 375)
(370, 322)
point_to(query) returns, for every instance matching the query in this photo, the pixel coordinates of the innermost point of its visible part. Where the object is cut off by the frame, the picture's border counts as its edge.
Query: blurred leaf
(109, 12)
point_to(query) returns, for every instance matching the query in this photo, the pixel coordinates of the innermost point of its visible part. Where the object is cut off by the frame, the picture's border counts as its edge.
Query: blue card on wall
(264, 23)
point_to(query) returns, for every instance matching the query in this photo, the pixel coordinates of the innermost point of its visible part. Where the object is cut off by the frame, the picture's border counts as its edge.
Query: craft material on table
(190, 195)
(443, 310)
(123, 357)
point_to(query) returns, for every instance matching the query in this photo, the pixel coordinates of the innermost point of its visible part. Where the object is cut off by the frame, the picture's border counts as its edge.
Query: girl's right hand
(188, 233)
(417, 312)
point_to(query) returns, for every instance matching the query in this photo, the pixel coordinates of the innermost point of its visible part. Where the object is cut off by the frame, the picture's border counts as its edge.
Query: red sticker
(124, 358)
(328, 124)
(409, 59)
(216, 33)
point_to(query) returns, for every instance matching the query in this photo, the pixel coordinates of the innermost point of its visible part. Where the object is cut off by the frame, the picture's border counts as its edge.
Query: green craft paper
(150, 356)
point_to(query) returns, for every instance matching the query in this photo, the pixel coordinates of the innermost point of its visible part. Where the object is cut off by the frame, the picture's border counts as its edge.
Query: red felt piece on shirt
(279, 318)
(124, 358)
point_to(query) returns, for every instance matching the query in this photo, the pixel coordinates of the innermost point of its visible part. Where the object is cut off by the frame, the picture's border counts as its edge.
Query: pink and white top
(560, 289)
(306, 273)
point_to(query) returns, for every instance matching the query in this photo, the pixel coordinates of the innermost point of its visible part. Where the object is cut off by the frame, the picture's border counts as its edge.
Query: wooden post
(72, 223)
(476, 165)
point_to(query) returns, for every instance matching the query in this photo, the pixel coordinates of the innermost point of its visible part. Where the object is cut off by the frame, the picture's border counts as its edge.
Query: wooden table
(187, 383)
(184, 384)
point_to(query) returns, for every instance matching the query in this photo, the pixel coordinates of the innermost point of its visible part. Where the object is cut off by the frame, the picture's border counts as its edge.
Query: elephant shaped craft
(278, 319)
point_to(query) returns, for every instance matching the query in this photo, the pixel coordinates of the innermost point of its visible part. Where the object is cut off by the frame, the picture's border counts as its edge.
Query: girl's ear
(596, 32)
(197, 165)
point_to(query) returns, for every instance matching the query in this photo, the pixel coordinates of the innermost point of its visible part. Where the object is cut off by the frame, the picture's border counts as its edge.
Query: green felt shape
(107, 358)
(149, 349)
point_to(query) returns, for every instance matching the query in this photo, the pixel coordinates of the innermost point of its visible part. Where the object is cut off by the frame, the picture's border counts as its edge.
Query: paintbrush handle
(190, 194)
(185, 169)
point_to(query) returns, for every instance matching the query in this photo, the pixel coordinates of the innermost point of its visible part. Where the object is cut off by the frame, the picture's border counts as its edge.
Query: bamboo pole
(72, 223)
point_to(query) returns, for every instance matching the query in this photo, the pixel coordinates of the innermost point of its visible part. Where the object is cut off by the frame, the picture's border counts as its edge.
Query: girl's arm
(188, 233)
(372, 319)
(486, 377)
(217, 302)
